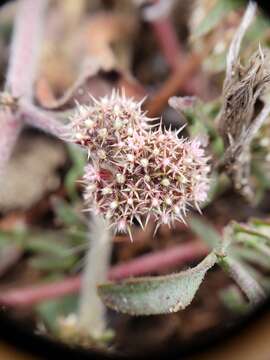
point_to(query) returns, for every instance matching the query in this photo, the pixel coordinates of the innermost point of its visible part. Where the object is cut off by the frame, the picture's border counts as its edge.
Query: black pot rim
(21, 336)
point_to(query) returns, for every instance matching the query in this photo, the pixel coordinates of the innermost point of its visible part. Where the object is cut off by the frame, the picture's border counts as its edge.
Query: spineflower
(142, 172)
(155, 174)
(102, 125)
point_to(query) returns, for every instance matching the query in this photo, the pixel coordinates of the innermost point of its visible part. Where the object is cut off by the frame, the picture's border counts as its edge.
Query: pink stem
(25, 47)
(42, 120)
(168, 41)
(10, 129)
(21, 71)
(158, 261)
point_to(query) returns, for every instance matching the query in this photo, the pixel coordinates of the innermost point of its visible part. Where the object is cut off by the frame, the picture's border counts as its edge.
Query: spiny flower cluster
(102, 126)
(143, 172)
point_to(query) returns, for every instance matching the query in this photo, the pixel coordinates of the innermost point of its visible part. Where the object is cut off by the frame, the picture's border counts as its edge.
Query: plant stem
(157, 261)
(91, 317)
(234, 49)
(25, 46)
(10, 129)
(174, 83)
(21, 70)
(168, 42)
(42, 120)
(244, 280)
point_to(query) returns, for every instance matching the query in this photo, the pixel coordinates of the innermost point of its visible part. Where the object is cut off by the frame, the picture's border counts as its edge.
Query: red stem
(160, 260)
(168, 41)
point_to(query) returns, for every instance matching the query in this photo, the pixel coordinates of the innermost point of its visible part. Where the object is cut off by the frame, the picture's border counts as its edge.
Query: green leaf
(241, 275)
(50, 263)
(47, 243)
(156, 295)
(252, 256)
(234, 300)
(205, 231)
(78, 159)
(219, 10)
(67, 214)
(50, 311)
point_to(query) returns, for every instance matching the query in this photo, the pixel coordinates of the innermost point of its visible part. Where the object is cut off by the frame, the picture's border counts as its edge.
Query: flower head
(154, 173)
(135, 172)
(103, 125)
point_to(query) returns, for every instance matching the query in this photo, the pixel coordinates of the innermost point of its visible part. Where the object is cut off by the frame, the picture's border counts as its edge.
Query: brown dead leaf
(94, 84)
(242, 105)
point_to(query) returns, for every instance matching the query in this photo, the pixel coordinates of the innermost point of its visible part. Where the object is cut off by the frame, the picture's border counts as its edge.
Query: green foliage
(156, 295)
(216, 14)
(234, 300)
(52, 251)
(205, 231)
(50, 311)
(258, 29)
(78, 159)
(171, 293)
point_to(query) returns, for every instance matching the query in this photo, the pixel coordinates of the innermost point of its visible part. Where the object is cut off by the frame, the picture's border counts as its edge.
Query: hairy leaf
(240, 274)
(156, 295)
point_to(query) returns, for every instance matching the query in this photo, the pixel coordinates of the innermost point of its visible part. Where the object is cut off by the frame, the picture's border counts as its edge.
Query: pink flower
(162, 178)
(103, 125)
(135, 172)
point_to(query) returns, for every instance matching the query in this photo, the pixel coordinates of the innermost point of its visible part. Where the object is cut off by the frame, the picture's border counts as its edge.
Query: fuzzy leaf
(51, 311)
(51, 264)
(240, 274)
(156, 295)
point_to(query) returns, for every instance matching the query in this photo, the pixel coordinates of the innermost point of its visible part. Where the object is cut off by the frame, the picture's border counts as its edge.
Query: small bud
(116, 109)
(120, 178)
(89, 123)
(144, 162)
(176, 210)
(103, 133)
(117, 124)
(114, 205)
(168, 201)
(130, 201)
(165, 182)
(79, 136)
(166, 162)
(108, 214)
(106, 191)
(147, 178)
(91, 187)
(101, 154)
(130, 157)
(130, 131)
(155, 202)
